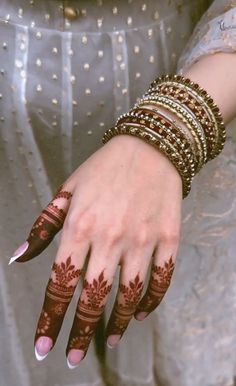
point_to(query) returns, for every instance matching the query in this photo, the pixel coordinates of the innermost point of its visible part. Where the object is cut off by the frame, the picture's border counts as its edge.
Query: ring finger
(131, 284)
(160, 278)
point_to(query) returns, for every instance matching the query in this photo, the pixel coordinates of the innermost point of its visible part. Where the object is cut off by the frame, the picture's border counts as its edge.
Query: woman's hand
(122, 206)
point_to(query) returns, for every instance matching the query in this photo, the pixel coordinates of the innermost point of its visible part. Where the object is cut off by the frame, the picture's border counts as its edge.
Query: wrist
(195, 135)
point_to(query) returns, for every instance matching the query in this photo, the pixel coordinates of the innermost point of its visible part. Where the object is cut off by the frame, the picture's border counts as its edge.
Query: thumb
(49, 222)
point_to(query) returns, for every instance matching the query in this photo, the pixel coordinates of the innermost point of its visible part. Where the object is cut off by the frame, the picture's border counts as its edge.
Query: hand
(122, 206)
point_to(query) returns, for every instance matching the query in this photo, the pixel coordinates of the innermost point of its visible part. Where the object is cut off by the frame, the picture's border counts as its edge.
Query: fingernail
(42, 347)
(141, 316)
(113, 340)
(74, 358)
(19, 252)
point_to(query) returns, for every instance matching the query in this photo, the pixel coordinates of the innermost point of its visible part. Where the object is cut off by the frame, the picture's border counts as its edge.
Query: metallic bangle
(166, 130)
(162, 113)
(157, 141)
(195, 87)
(187, 119)
(202, 136)
(198, 107)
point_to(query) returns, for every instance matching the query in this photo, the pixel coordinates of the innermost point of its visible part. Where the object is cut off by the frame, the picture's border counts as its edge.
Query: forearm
(216, 73)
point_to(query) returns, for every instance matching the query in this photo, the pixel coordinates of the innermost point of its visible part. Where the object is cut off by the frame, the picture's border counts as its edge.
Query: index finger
(46, 226)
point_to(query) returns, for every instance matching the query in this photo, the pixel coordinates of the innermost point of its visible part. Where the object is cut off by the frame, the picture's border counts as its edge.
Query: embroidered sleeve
(214, 32)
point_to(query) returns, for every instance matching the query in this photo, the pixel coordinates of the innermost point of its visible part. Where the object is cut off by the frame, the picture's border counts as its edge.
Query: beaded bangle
(157, 141)
(182, 130)
(186, 118)
(167, 131)
(205, 118)
(188, 148)
(212, 107)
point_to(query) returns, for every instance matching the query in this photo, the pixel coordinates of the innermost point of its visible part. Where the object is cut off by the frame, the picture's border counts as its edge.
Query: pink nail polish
(42, 347)
(74, 358)
(113, 340)
(19, 252)
(141, 316)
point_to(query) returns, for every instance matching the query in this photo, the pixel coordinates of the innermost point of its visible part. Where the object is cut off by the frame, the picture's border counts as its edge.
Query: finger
(65, 275)
(160, 279)
(132, 276)
(46, 226)
(97, 286)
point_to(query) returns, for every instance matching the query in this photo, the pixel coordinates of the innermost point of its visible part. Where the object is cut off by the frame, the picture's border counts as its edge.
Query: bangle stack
(189, 146)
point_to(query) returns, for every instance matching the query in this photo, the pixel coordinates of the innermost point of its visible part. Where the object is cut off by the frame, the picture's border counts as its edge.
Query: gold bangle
(187, 119)
(212, 106)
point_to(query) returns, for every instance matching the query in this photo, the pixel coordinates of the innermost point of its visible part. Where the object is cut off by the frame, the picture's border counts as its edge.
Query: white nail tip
(70, 365)
(12, 259)
(109, 345)
(15, 257)
(38, 356)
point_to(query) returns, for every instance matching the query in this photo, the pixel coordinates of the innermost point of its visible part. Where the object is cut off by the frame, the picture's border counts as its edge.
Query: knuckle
(80, 225)
(142, 238)
(169, 237)
(113, 233)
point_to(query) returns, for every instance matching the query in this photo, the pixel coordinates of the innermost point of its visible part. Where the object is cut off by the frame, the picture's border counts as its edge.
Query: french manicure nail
(113, 340)
(74, 358)
(19, 252)
(141, 316)
(109, 346)
(70, 365)
(42, 347)
(38, 356)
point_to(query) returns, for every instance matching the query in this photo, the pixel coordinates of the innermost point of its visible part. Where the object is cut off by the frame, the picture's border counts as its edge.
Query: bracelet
(202, 136)
(186, 118)
(182, 130)
(197, 110)
(165, 129)
(198, 93)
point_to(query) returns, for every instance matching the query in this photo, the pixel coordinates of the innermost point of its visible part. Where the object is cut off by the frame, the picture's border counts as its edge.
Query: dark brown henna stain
(158, 285)
(44, 229)
(125, 306)
(89, 309)
(58, 295)
(63, 194)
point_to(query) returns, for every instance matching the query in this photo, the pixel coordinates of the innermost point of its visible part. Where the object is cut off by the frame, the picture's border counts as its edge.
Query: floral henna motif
(49, 222)
(158, 285)
(89, 309)
(125, 306)
(59, 292)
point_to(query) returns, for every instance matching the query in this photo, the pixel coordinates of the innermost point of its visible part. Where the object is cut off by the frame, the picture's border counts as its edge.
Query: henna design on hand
(89, 309)
(158, 285)
(59, 292)
(46, 226)
(125, 306)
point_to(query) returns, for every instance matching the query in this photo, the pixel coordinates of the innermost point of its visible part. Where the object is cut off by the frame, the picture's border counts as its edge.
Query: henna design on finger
(158, 285)
(125, 306)
(89, 309)
(62, 194)
(46, 226)
(59, 292)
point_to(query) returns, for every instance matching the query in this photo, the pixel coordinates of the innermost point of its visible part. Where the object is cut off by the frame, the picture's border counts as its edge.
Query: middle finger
(96, 288)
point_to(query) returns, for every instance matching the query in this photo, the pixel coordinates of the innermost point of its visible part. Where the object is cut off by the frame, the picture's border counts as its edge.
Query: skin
(121, 207)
